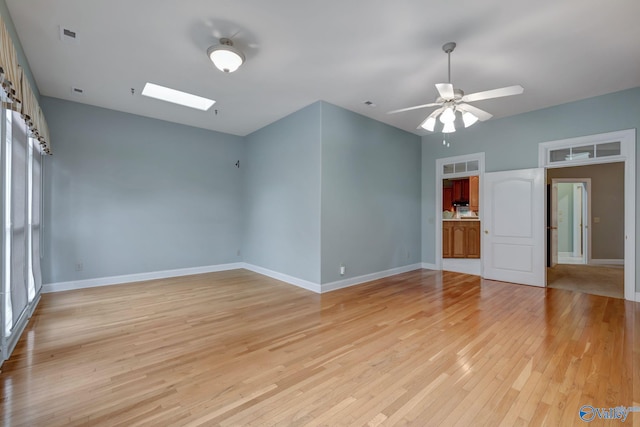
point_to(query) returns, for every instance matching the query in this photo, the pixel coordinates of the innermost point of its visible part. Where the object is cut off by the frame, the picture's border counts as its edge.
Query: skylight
(177, 97)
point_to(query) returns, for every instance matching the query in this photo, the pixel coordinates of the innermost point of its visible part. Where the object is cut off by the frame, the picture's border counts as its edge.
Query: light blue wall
(370, 195)
(512, 143)
(126, 194)
(282, 194)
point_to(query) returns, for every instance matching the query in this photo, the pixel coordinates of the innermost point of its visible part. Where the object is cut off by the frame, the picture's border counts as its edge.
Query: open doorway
(569, 225)
(586, 229)
(458, 213)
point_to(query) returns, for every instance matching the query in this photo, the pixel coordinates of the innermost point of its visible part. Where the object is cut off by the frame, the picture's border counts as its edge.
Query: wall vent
(68, 36)
(77, 91)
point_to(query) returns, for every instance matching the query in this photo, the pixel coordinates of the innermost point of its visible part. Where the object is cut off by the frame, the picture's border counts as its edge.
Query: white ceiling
(343, 52)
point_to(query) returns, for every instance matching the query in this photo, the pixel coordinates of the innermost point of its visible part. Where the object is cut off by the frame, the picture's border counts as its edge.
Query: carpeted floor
(592, 279)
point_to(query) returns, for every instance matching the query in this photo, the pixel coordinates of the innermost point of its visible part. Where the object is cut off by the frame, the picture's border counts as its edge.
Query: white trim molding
(429, 266)
(136, 277)
(301, 283)
(606, 262)
(352, 281)
(463, 265)
(291, 280)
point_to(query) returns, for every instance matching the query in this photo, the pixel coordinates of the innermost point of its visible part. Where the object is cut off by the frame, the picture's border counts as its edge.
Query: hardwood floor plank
(236, 348)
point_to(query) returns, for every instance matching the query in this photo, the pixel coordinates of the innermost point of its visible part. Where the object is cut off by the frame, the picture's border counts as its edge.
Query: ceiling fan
(453, 100)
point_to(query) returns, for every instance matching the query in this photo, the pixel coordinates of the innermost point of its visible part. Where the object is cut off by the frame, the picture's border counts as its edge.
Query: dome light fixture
(225, 56)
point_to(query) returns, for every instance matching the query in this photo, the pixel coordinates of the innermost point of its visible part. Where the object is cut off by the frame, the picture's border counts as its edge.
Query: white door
(513, 244)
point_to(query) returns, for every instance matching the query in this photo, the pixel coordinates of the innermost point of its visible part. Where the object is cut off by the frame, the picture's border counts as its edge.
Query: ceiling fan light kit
(453, 101)
(448, 127)
(468, 119)
(225, 56)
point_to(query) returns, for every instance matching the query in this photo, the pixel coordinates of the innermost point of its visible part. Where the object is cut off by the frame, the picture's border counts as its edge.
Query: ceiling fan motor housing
(457, 97)
(448, 47)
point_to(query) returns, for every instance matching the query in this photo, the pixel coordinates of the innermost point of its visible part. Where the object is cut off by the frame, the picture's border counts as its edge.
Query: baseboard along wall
(137, 277)
(305, 284)
(606, 261)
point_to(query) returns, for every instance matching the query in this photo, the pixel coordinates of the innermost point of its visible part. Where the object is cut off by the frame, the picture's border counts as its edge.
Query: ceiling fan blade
(445, 90)
(480, 114)
(417, 107)
(495, 93)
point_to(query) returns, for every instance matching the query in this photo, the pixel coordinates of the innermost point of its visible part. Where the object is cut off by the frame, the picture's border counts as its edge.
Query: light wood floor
(236, 348)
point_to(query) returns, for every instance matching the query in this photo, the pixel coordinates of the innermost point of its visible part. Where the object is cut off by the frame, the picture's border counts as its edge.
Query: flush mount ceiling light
(453, 102)
(225, 56)
(177, 97)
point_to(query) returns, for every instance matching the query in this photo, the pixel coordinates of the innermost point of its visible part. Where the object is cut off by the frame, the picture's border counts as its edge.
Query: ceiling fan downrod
(448, 48)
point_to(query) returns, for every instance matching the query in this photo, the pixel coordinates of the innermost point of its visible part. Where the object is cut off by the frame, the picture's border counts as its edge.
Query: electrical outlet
(343, 269)
(78, 266)
(238, 252)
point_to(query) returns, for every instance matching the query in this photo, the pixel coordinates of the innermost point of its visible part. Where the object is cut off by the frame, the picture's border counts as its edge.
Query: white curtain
(19, 158)
(36, 197)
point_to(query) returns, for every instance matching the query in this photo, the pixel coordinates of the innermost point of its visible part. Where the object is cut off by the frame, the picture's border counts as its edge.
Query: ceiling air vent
(68, 36)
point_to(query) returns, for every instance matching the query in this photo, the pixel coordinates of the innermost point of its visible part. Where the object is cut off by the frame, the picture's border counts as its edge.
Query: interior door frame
(585, 208)
(440, 175)
(627, 139)
(552, 225)
(580, 229)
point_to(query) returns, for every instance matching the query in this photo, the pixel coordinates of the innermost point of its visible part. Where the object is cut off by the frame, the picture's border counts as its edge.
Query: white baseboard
(352, 281)
(301, 283)
(429, 266)
(305, 284)
(137, 277)
(466, 266)
(607, 262)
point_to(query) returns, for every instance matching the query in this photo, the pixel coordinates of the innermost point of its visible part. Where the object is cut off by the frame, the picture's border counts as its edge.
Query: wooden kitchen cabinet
(461, 189)
(447, 199)
(447, 226)
(461, 239)
(474, 193)
(473, 239)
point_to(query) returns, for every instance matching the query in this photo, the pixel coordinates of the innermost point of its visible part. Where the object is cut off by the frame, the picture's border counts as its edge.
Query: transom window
(460, 167)
(607, 147)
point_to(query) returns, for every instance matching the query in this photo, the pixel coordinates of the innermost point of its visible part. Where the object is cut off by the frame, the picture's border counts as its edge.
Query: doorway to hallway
(569, 220)
(586, 233)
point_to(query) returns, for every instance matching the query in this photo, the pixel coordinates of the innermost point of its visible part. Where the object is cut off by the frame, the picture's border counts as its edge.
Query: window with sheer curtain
(24, 137)
(21, 194)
